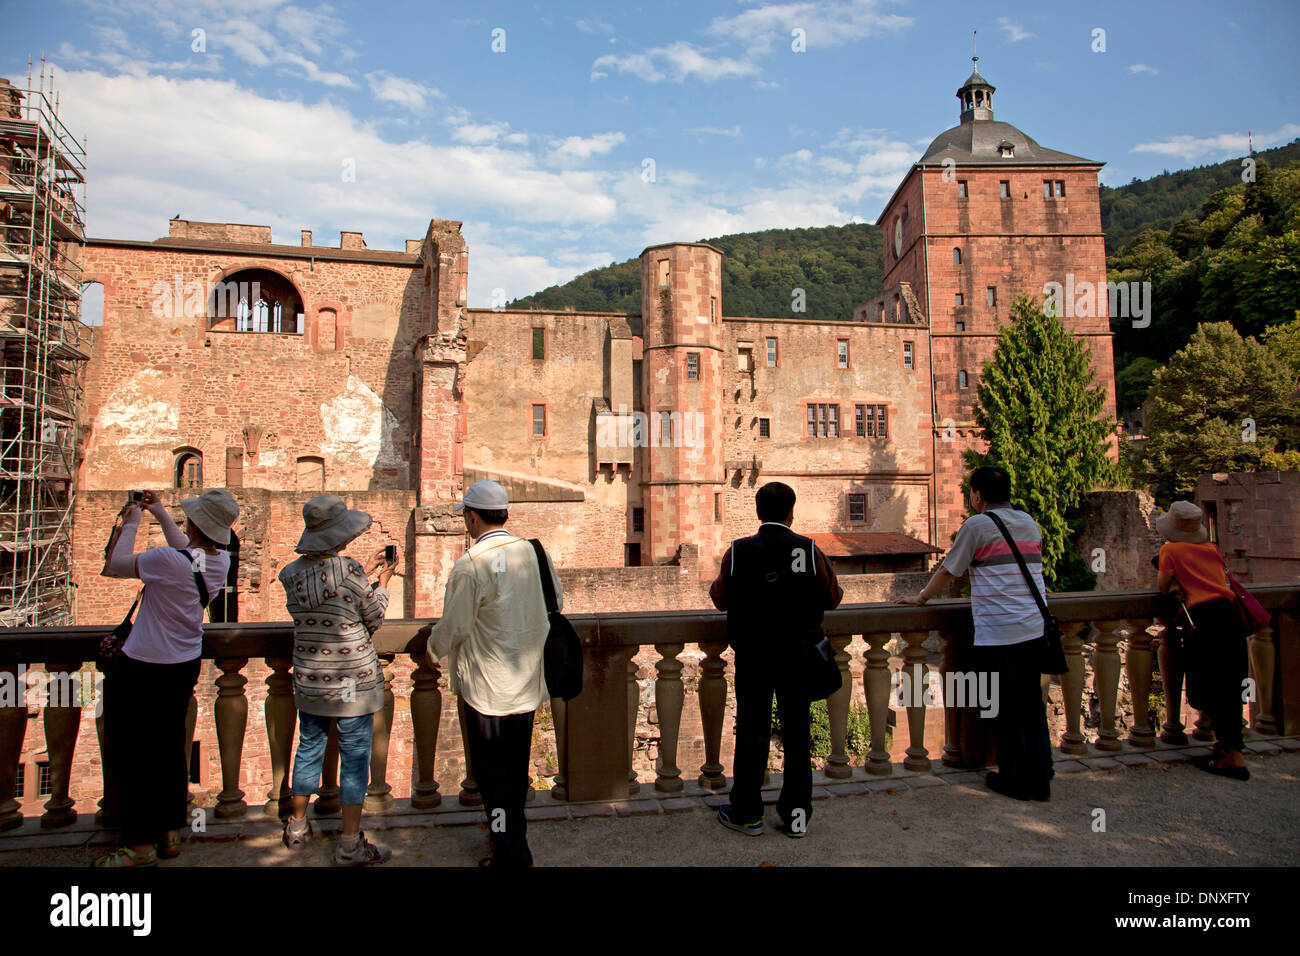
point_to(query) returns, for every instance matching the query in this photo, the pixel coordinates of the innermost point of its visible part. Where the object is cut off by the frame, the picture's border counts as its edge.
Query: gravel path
(1167, 815)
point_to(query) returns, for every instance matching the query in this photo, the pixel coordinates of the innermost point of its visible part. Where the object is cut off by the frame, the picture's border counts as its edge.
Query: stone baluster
(1204, 729)
(191, 721)
(379, 795)
(280, 715)
(559, 718)
(62, 718)
(669, 696)
(837, 711)
(875, 679)
(426, 714)
(327, 798)
(105, 818)
(1105, 678)
(1262, 720)
(13, 728)
(231, 713)
(633, 708)
(917, 670)
(951, 715)
(469, 795)
(713, 708)
(1072, 739)
(1137, 663)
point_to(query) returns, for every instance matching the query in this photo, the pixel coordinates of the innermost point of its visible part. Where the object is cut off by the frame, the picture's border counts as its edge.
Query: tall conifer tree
(1043, 417)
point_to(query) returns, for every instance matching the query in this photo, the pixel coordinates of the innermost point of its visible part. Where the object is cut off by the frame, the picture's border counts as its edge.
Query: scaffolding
(42, 348)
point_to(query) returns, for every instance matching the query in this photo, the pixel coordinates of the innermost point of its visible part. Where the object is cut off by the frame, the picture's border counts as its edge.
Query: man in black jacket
(774, 587)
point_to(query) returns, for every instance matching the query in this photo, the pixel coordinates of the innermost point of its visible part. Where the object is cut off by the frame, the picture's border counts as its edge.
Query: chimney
(306, 237)
(413, 245)
(178, 227)
(351, 240)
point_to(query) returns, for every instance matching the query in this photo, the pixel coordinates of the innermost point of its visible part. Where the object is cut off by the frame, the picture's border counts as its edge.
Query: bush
(859, 729)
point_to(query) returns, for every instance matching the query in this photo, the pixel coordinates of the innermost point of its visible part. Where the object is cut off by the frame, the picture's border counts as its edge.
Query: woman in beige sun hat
(336, 671)
(147, 692)
(1215, 646)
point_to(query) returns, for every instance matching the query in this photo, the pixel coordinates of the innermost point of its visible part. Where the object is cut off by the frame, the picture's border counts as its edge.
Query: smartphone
(390, 553)
(137, 496)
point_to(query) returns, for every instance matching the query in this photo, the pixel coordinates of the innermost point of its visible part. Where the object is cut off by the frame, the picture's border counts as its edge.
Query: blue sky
(543, 148)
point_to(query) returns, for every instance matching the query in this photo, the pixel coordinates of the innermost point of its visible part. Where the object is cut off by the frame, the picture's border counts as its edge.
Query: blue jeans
(354, 755)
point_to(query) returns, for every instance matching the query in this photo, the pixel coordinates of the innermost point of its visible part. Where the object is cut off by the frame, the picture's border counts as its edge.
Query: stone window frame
(44, 778)
(843, 357)
(637, 520)
(689, 363)
(963, 379)
(963, 189)
(956, 255)
(297, 471)
(771, 352)
(909, 355)
(849, 500)
(181, 457)
(824, 419)
(764, 426)
(1004, 188)
(532, 420)
(536, 343)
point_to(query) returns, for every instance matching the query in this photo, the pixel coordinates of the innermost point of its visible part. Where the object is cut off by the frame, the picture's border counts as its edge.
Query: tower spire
(976, 94)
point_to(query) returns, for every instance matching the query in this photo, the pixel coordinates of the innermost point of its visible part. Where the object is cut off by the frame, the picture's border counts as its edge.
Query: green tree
(1043, 418)
(1221, 404)
(1284, 342)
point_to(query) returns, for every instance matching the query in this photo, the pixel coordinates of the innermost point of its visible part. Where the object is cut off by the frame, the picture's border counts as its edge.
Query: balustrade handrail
(620, 629)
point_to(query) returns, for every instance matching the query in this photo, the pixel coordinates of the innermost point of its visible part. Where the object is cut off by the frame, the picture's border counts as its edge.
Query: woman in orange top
(1215, 647)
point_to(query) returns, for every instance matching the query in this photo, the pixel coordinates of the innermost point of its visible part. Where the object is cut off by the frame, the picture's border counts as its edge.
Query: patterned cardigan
(336, 670)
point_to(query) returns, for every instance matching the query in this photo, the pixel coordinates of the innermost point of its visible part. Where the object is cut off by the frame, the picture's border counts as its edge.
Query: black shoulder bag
(1053, 661)
(562, 658)
(110, 647)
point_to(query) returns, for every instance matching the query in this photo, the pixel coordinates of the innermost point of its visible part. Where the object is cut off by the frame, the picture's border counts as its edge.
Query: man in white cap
(493, 631)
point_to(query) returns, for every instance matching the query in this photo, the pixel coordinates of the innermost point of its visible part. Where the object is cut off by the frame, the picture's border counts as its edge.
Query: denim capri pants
(354, 755)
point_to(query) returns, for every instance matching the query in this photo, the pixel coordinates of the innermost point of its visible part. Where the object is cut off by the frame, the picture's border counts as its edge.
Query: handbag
(1253, 616)
(562, 656)
(1053, 660)
(109, 652)
(819, 672)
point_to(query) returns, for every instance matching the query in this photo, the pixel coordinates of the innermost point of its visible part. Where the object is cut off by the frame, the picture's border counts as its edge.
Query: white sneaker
(364, 853)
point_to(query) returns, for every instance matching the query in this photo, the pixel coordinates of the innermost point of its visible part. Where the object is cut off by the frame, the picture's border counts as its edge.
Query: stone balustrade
(595, 732)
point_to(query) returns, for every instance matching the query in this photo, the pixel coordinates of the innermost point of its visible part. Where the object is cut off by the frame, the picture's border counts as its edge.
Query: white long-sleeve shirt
(494, 625)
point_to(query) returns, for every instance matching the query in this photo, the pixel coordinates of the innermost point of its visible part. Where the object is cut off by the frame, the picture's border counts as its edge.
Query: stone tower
(682, 388)
(985, 215)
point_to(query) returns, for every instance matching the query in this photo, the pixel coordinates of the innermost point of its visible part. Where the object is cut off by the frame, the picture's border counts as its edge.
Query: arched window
(956, 256)
(254, 300)
(311, 473)
(187, 471)
(963, 381)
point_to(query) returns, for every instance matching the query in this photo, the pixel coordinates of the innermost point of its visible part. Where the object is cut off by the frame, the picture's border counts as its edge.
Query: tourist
(1008, 636)
(493, 631)
(147, 689)
(1214, 644)
(336, 670)
(774, 586)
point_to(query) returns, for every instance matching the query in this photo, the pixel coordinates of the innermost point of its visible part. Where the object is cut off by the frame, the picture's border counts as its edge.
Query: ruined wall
(161, 379)
(1256, 522)
(893, 472)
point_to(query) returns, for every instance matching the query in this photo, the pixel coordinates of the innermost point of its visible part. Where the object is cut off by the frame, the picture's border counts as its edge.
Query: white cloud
(584, 147)
(715, 130)
(1143, 68)
(594, 25)
(763, 28)
(388, 88)
(1225, 144)
(676, 62)
(1014, 31)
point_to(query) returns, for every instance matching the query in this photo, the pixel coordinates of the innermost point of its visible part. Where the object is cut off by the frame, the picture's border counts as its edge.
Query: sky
(568, 135)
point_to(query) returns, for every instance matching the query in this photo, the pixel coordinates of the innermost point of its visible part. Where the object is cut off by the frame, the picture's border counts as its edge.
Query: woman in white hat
(148, 690)
(1215, 646)
(336, 671)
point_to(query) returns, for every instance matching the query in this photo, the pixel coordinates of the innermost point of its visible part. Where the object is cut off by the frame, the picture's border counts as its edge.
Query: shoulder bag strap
(199, 583)
(1029, 578)
(544, 568)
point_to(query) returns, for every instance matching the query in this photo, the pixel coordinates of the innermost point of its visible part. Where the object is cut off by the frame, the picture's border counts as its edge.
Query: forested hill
(841, 266)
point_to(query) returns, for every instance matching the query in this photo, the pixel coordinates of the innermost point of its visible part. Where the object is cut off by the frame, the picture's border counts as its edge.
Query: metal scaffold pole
(43, 346)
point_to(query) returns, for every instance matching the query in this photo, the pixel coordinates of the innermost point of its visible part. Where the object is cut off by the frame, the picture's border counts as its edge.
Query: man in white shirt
(1009, 643)
(493, 631)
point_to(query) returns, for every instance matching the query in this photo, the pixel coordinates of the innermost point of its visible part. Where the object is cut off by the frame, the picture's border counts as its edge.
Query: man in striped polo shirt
(1009, 643)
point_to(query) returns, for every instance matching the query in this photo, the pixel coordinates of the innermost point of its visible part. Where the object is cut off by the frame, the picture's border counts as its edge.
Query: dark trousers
(499, 750)
(1024, 748)
(1216, 662)
(144, 736)
(756, 682)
